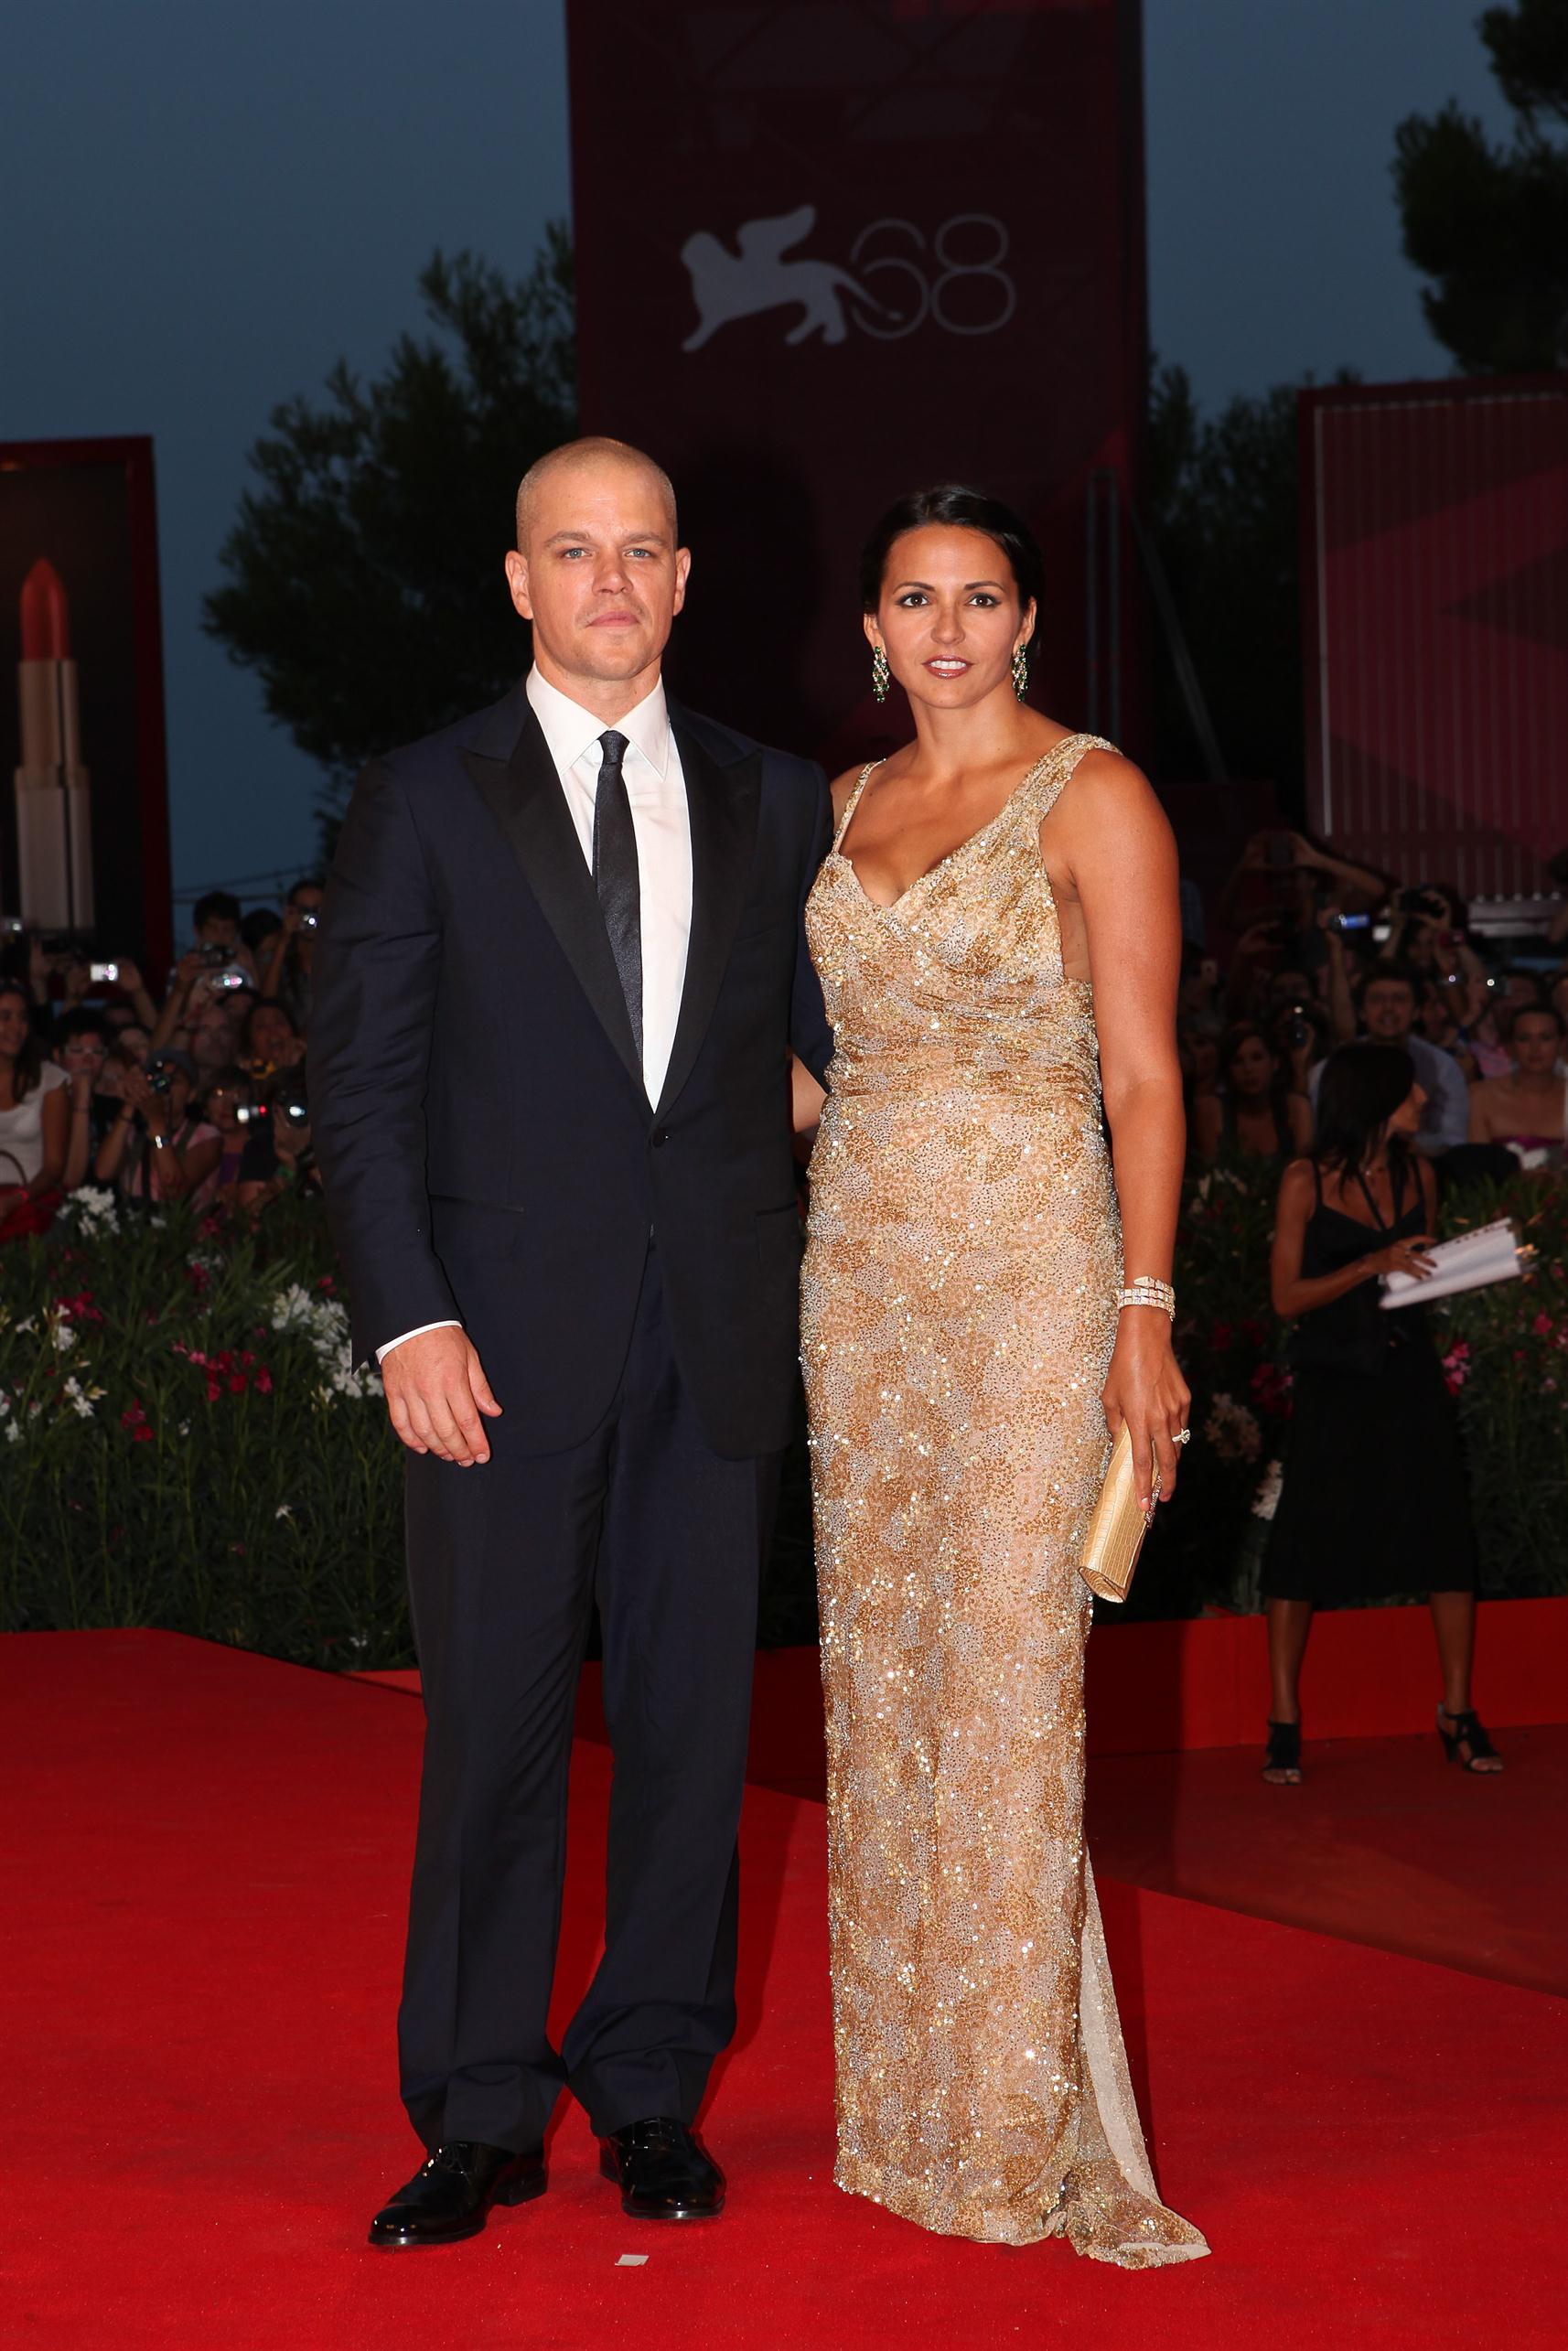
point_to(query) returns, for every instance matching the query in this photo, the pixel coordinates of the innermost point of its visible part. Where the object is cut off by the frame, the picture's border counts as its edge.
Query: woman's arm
(1298, 1112)
(176, 1012)
(1357, 881)
(136, 987)
(1207, 1122)
(1293, 1293)
(112, 1149)
(1110, 842)
(1341, 1003)
(183, 1168)
(1481, 1099)
(54, 1116)
(79, 1093)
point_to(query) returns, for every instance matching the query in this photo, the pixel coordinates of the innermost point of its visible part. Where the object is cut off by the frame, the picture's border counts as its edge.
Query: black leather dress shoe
(449, 2198)
(662, 2172)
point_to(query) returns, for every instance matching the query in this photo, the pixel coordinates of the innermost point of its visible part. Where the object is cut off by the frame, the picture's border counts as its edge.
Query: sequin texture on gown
(963, 1261)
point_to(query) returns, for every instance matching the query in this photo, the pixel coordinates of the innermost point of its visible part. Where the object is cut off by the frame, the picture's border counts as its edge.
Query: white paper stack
(1490, 1253)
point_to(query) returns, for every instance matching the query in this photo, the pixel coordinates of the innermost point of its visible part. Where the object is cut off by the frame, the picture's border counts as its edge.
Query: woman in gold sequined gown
(964, 1355)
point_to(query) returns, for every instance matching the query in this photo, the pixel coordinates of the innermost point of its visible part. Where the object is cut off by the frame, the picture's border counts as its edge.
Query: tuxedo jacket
(489, 1149)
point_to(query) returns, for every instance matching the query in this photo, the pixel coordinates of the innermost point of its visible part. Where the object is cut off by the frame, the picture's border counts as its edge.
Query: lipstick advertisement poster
(83, 790)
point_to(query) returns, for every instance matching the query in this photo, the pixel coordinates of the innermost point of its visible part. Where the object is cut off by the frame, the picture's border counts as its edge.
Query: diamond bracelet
(1146, 1290)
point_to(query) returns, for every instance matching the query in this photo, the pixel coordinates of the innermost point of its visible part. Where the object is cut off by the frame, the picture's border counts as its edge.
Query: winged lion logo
(756, 277)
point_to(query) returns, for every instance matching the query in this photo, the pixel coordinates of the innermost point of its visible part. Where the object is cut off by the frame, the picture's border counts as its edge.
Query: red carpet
(204, 1893)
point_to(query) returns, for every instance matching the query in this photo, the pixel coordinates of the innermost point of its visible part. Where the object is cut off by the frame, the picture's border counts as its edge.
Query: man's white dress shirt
(661, 826)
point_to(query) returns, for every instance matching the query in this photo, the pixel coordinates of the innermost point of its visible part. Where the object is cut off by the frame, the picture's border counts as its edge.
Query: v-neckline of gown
(891, 906)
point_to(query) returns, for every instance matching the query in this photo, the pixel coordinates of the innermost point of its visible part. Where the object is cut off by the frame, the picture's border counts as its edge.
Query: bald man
(560, 969)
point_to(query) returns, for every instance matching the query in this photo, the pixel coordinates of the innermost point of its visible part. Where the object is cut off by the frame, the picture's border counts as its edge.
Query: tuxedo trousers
(505, 1561)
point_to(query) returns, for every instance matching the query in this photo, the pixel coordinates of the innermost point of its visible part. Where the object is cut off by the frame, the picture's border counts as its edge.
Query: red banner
(1435, 605)
(830, 253)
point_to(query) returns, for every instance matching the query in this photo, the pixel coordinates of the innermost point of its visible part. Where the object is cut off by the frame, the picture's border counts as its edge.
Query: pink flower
(263, 1381)
(1542, 1326)
(213, 1391)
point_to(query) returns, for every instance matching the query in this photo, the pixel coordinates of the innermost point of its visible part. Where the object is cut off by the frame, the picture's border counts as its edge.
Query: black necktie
(615, 877)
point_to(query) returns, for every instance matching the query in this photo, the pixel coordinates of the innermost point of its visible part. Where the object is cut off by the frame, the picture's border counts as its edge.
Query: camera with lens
(310, 919)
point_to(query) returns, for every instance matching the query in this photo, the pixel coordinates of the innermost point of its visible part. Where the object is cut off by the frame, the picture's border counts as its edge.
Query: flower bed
(185, 1443)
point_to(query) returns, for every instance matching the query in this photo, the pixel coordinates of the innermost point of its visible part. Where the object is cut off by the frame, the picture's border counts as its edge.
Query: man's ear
(517, 581)
(683, 573)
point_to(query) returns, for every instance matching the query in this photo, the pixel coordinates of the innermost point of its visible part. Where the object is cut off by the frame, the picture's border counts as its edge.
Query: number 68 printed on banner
(892, 260)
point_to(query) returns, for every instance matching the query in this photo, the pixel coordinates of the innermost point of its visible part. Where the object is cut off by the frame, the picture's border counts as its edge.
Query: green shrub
(184, 1442)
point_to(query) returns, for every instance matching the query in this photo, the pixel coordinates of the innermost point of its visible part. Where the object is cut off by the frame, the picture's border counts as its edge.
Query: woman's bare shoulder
(841, 787)
(1296, 1183)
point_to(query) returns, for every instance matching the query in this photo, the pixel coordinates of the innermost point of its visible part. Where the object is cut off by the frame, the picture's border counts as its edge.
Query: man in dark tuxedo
(561, 968)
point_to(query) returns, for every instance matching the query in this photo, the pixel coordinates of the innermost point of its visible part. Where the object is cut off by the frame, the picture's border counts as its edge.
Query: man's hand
(436, 1390)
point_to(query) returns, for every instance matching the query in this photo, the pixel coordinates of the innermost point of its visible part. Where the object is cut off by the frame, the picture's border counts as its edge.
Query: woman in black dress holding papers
(1373, 1501)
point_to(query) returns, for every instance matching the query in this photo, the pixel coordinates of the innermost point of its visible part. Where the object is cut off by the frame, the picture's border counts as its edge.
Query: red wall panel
(1435, 521)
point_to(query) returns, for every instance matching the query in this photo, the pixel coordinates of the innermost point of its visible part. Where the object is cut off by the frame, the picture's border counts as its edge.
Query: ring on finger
(1182, 1436)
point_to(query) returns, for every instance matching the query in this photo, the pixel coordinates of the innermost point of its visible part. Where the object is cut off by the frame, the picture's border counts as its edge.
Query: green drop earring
(1020, 672)
(881, 675)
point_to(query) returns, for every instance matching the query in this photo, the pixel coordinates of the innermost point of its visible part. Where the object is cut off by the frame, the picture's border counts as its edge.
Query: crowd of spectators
(197, 1092)
(1326, 951)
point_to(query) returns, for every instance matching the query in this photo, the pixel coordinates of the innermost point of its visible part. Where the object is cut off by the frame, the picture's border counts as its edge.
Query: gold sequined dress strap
(852, 803)
(1057, 767)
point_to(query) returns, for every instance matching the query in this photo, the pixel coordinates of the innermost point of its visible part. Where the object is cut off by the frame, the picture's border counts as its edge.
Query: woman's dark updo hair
(1361, 1087)
(962, 509)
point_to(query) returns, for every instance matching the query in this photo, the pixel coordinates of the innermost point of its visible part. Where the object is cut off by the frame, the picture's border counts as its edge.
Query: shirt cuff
(449, 1323)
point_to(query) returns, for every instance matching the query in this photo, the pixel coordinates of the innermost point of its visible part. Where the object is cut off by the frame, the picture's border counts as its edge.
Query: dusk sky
(206, 203)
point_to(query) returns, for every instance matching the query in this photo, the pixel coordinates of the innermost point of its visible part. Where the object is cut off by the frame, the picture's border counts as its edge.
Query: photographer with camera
(1372, 1503)
(209, 987)
(269, 1041)
(159, 1147)
(287, 978)
(232, 1102)
(35, 1120)
(278, 1158)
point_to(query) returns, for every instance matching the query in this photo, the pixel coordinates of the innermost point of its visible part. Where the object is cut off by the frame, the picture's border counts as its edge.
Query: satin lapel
(525, 798)
(723, 803)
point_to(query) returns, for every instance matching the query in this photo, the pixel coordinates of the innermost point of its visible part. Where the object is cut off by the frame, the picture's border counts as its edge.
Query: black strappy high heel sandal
(1468, 1732)
(1283, 1753)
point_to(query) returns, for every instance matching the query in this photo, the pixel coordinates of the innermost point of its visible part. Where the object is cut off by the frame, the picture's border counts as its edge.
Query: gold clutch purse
(1117, 1528)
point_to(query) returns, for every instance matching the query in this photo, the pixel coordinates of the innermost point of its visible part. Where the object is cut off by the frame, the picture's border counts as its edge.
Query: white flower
(28, 1323)
(284, 1510)
(325, 1322)
(185, 1428)
(80, 1401)
(64, 1335)
(94, 1208)
(5, 1404)
(13, 1432)
(1266, 1500)
(1231, 1430)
